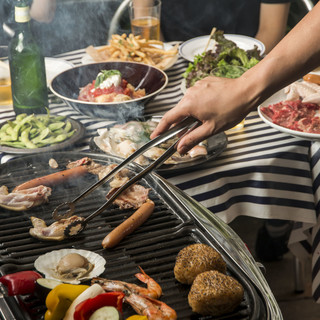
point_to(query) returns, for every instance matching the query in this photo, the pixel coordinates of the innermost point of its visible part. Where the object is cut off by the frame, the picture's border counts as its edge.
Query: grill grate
(153, 247)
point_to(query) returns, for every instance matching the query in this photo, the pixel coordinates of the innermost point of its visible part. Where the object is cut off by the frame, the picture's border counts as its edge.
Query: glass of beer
(145, 18)
(5, 83)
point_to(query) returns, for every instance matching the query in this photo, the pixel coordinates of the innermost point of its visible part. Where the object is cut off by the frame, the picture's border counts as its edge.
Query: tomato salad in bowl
(110, 90)
(109, 86)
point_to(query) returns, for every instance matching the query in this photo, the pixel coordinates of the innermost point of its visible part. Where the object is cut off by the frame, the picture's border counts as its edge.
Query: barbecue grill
(176, 222)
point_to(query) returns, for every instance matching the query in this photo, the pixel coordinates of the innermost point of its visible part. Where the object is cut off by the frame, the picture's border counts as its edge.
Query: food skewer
(210, 37)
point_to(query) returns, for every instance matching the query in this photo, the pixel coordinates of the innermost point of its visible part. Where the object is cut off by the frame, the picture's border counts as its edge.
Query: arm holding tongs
(181, 128)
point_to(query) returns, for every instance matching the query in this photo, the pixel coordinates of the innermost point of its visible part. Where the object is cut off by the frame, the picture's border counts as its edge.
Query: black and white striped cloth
(262, 172)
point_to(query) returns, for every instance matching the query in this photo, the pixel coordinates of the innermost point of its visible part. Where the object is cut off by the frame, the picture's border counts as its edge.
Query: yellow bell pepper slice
(60, 298)
(136, 317)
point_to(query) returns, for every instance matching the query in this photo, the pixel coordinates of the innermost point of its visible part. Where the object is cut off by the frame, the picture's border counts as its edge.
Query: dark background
(80, 23)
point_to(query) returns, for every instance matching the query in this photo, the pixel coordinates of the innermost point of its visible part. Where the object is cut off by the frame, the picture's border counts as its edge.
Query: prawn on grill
(153, 289)
(151, 308)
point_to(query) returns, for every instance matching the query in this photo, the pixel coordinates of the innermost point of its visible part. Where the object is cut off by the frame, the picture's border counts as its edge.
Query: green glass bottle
(27, 68)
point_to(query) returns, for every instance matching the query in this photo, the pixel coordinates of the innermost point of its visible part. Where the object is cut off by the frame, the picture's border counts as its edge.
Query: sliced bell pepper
(136, 317)
(60, 298)
(87, 307)
(22, 282)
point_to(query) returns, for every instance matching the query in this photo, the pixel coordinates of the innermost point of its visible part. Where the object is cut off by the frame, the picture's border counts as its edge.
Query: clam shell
(46, 264)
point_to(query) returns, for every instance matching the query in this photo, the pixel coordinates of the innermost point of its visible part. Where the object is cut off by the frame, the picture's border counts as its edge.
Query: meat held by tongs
(181, 129)
(54, 232)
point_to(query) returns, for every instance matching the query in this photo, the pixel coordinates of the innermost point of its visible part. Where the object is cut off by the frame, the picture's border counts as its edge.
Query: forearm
(43, 10)
(297, 54)
(272, 23)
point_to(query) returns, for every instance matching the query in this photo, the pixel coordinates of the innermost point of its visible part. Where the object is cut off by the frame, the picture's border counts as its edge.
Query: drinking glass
(5, 83)
(145, 19)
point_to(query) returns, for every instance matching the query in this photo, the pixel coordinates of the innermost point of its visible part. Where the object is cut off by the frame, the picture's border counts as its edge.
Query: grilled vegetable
(89, 293)
(106, 313)
(43, 286)
(22, 282)
(60, 298)
(86, 309)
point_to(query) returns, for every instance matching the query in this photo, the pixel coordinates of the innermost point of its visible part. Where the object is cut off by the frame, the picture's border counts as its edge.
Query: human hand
(219, 104)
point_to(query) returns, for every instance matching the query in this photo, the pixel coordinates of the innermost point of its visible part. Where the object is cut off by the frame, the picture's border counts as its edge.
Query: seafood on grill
(53, 232)
(214, 293)
(124, 139)
(153, 289)
(195, 259)
(20, 200)
(73, 266)
(151, 308)
(70, 265)
(142, 300)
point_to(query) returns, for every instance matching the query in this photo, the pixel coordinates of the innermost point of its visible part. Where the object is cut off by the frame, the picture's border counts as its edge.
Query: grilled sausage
(310, 77)
(53, 179)
(129, 225)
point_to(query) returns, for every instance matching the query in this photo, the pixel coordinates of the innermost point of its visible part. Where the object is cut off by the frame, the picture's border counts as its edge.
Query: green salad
(228, 60)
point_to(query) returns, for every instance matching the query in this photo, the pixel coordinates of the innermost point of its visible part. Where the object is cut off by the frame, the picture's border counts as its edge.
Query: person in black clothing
(264, 19)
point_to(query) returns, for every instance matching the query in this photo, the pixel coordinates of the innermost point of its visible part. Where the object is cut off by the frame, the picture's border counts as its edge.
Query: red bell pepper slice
(22, 282)
(86, 308)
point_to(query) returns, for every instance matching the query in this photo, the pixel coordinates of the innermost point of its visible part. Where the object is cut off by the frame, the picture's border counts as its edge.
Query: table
(262, 173)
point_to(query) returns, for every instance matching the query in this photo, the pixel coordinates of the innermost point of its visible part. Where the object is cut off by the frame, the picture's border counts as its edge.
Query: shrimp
(152, 308)
(153, 289)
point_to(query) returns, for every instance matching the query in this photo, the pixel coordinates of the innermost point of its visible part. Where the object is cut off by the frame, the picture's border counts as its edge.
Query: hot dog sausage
(129, 225)
(53, 179)
(310, 77)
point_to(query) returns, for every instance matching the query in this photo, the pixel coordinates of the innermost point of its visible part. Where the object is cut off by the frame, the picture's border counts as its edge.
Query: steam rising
(76, 25)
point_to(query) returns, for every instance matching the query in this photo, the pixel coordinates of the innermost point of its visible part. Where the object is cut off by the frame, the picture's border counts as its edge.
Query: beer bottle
(27, 68)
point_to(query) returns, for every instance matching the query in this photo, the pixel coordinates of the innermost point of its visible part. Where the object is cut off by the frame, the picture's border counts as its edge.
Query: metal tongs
(77, 226)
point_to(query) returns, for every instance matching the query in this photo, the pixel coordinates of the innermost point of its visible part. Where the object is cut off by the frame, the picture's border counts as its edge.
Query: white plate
(55, 66)
(277, 97)
(88, 59)
(195, 46)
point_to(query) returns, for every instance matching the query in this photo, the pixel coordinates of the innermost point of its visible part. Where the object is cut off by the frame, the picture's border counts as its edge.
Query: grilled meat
(53, 232)
(214, 293)
(133, 197)
(24, 199)
(197, 258)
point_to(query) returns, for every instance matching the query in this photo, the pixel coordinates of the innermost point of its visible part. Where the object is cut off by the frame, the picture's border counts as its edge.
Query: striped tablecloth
(262, 173)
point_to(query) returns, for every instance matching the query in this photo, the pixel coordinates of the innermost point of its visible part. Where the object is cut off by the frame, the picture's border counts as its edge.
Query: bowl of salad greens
(226, 60)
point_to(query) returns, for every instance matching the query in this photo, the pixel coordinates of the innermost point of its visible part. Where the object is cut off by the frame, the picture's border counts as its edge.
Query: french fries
(134, 48)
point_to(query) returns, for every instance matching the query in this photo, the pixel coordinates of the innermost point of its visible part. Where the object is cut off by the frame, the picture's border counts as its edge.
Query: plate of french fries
(133, 48)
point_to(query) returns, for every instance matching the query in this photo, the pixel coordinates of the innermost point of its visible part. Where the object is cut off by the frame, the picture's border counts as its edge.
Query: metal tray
(154, 246)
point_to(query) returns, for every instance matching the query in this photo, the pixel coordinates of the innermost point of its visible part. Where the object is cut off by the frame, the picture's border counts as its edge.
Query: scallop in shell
(70, 265)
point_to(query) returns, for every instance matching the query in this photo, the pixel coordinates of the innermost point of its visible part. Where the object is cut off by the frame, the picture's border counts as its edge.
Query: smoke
(76, 25)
